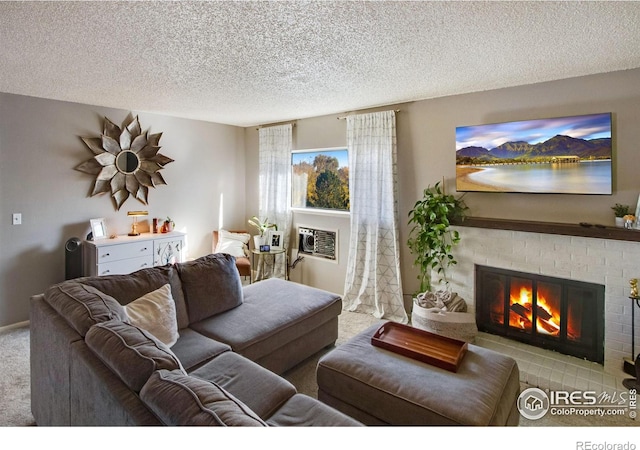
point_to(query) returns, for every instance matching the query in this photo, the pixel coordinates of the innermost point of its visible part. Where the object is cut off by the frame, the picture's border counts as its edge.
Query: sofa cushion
(304, 411)
(260, 389)
(286, 311)
(156, 313)
(130, 352)
(178, 399)
(127, 288)
(83, 306)
(211, 285)
(194, 349)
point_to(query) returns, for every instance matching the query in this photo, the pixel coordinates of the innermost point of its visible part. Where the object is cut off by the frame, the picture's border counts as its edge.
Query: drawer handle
(105, 255)
(106, 271)
(144, 249)
(144, 265)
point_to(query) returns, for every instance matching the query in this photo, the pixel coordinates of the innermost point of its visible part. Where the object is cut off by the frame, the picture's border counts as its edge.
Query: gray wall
(426, 154)
(39, 148)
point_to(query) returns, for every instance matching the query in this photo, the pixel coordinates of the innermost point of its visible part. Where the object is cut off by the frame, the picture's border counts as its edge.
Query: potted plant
(620, 211)
(263, 227)
(168, 225)
(431, 239)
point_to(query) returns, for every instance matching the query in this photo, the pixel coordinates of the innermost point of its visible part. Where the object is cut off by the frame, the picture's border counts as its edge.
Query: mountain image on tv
(570, 155)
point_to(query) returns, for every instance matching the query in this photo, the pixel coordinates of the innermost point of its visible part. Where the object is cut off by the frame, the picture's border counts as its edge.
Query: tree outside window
(320, 179)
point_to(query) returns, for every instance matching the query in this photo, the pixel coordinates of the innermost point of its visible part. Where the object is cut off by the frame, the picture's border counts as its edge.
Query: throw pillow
(156, 313)
(130, 352)
(83, 306)
(234, 244)
(211, 285)
(179, 399)
(127, 288)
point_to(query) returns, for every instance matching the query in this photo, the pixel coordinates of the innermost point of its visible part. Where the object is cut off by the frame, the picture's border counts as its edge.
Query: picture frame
(276, 240)
(533, 156)
(638, 214)
(98, 228)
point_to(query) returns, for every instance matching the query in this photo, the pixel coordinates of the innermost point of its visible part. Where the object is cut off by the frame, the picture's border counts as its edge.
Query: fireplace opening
(552, 313)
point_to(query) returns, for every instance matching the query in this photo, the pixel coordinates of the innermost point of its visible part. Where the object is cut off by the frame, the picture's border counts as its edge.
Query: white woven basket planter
(456, 325)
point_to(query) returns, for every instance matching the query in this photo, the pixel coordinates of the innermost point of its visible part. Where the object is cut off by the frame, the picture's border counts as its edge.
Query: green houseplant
(620, 211)
(431, 239)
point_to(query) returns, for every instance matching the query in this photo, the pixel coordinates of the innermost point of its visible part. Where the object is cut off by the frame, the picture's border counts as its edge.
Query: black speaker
(73, 258)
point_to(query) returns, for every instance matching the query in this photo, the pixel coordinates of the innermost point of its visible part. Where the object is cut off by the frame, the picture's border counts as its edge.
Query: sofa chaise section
(266, 329)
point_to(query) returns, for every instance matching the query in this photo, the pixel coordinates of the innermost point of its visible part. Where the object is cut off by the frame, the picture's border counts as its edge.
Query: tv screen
(563, 155)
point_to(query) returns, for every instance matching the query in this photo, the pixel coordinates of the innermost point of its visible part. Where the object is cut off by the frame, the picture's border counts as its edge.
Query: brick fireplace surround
(599, 259)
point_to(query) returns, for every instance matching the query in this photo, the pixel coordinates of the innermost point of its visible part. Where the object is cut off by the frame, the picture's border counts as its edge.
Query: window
(320, 179)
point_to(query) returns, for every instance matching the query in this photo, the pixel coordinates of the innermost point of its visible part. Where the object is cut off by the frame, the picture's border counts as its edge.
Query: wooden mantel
(566, 229)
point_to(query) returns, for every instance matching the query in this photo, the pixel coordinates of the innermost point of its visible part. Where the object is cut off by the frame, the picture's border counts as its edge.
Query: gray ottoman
(380, 387)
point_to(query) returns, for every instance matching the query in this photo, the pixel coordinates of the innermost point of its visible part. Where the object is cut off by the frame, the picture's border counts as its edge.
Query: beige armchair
(243, 264)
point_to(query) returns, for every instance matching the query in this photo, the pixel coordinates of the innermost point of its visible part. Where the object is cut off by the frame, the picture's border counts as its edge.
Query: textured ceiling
(249, 63)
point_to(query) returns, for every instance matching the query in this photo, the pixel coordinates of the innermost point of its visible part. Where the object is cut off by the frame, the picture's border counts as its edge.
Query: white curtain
(275, 190)
(373, 283)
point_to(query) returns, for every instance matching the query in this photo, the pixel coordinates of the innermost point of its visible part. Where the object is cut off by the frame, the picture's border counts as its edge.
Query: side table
(258, 262)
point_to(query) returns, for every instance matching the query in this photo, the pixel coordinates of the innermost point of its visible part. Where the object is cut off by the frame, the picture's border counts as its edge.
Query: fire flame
(548, 320)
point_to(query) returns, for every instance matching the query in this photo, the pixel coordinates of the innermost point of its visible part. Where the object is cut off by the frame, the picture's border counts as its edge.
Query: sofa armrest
(50, 356)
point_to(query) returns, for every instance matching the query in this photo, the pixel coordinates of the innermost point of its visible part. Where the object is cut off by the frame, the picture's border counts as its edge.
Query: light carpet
(15, 409)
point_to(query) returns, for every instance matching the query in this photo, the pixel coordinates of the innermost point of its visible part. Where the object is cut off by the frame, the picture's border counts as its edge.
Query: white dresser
(126, 254)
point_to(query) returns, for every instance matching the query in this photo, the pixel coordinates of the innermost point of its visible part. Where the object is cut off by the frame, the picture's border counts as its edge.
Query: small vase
(619, 222)
(258, 241)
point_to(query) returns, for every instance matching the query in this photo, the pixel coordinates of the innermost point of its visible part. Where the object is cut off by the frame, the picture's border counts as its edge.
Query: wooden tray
(439, 351)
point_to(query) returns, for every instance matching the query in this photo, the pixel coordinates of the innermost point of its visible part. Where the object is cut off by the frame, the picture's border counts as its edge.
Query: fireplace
(552, 313)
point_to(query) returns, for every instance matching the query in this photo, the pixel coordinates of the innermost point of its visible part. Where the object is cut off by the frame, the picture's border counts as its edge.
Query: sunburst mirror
(126, 161)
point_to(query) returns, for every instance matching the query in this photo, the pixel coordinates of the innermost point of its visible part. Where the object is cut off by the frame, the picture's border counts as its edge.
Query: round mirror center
(127, 161)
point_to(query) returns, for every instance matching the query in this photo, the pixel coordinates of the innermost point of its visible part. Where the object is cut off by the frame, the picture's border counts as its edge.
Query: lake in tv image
(566, 155)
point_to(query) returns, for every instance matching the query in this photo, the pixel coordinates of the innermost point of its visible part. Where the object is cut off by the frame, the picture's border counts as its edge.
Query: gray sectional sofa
(218, 362)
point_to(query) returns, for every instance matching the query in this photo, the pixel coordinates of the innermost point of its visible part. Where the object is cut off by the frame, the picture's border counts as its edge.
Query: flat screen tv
(562, 155)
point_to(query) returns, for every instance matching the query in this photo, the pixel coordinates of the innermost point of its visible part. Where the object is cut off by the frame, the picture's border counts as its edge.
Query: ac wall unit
(314, 242)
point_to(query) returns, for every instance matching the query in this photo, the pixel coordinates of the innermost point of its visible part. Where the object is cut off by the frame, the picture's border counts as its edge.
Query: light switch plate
(17, 218)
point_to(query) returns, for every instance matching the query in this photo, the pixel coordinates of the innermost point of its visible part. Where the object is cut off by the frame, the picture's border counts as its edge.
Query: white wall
(39, 148)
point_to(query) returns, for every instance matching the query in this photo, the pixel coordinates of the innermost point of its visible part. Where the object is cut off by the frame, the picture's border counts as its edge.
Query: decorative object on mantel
(431, 239)
(134, 225)
(638, 214)
(629, 221)
(126, 161)
(620, 211)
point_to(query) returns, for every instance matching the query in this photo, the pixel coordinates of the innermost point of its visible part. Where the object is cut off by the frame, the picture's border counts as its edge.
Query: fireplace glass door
(553, 313)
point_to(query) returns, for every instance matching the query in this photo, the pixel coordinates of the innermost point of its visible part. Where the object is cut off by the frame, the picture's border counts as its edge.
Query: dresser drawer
(125, 251)
(125, 266)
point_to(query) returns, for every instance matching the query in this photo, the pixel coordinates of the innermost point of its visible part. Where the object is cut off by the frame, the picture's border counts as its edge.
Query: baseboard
(14, 326)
